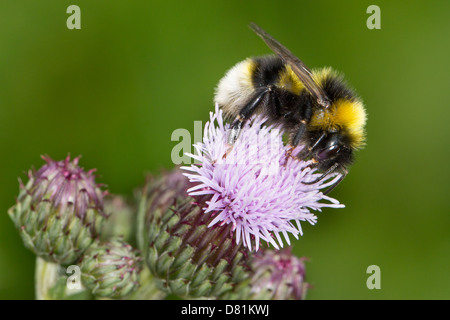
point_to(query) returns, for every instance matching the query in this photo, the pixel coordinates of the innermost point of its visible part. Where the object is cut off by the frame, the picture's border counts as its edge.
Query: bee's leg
(245, 113)
(306, 152)
(306, 117)
(325, 174)
(334, 185)
(235, 130)
(330, 170)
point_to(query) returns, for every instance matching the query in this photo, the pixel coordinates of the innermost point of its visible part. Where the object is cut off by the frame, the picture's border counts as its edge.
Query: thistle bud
(186, 257)
(156, 197)
(59, 212)
(110, 269)
(121, 221)
(278, 275)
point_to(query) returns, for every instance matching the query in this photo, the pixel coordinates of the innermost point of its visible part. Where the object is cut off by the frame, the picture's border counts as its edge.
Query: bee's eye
(328, 153)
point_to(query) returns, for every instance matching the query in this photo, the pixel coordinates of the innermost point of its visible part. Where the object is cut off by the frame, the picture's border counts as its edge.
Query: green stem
(46, 276)
(53, 283)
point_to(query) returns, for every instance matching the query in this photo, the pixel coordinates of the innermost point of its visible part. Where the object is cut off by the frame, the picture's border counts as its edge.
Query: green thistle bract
(186, 257)
(110, 269)
(59, 212)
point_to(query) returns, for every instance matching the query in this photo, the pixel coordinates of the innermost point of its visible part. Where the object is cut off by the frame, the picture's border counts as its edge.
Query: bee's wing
(299, 68)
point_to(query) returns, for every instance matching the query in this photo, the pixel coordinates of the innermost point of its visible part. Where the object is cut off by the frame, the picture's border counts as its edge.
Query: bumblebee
(316, 108)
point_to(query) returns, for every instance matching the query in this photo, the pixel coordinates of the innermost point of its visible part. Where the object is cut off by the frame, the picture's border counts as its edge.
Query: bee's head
(330, 147)
(334, 148)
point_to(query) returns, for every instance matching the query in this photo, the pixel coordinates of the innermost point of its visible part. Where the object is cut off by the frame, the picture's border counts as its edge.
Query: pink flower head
(59, 212)
(68, 187)
(278, 275)
(255, 184)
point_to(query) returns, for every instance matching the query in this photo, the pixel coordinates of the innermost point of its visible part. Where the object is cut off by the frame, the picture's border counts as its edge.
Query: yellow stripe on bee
(289, 81)
(249, 70)
(346, 115)
(320, 75)
(352, 116)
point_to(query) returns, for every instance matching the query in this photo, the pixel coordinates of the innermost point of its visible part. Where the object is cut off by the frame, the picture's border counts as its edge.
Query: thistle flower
(185, 256)
(59, 212)
(110, 269)
(278, 275)
(255, 185)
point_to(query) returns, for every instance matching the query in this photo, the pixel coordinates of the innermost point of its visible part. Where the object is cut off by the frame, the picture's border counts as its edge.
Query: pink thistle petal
(254, 184)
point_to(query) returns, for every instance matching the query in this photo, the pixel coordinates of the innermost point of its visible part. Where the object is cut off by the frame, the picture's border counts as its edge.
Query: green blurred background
(115, 90)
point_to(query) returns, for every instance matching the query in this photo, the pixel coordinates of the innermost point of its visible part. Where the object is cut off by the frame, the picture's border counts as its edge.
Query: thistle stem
(46, 276)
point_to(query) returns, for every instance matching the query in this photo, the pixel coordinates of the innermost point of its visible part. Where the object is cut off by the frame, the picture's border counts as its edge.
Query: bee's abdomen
(244, 81)
(236, 87)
